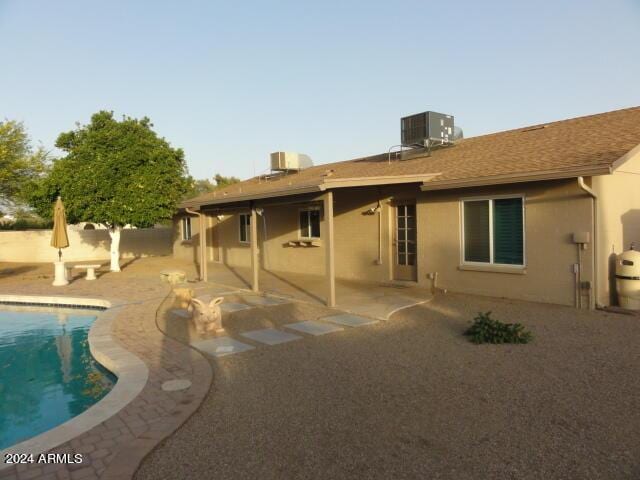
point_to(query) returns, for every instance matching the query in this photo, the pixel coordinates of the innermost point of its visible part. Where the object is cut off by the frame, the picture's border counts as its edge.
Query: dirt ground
(412, 398)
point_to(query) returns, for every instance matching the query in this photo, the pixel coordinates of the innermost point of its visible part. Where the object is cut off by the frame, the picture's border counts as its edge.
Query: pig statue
(207, 317)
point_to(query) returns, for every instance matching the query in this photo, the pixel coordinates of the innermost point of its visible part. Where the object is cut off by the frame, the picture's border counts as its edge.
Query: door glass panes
(406, 234)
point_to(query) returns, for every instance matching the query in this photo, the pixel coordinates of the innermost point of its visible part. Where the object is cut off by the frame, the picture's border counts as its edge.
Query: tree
(115, 173)
(20, 164)
(224, 181)
(198, 187)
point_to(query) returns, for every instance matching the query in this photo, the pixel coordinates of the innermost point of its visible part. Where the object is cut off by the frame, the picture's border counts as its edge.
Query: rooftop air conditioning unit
(284, 161)
(427, 127)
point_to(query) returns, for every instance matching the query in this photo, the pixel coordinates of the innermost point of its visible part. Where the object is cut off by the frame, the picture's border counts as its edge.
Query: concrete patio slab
(270, 336)
(349, 320)
(233, 307)
(221, 346)
(377, 300)
(312, 327)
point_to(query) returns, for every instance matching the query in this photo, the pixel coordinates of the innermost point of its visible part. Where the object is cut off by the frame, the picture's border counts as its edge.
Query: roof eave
(255, 196)
(327, 183)
(603, 169)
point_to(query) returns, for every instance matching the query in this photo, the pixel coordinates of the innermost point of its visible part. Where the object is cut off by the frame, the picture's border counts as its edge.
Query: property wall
(553, 212)
(618, 221)
(34, 245)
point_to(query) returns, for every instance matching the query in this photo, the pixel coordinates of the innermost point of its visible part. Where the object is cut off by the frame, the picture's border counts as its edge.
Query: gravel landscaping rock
(413, 398)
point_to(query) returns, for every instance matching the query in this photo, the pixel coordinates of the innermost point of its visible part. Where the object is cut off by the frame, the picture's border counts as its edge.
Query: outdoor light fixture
(260, 211)
(220, 217)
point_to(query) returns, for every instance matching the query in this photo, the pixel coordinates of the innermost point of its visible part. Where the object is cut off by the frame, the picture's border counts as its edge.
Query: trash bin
(628, 279)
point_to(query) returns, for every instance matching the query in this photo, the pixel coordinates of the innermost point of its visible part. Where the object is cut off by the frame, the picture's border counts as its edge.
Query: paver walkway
(113, 449)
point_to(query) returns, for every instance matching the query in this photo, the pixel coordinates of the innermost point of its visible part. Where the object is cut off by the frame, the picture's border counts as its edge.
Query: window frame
(247, 227)
(491, 263)
(311, 208)
(184, 221)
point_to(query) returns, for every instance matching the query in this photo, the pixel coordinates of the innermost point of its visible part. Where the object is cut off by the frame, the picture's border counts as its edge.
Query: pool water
(47, 374)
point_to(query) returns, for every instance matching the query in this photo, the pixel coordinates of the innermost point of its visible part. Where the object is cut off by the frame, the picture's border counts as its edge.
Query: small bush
(487, 330)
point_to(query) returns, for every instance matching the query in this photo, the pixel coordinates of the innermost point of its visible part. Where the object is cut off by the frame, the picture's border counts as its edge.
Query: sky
(231, 82)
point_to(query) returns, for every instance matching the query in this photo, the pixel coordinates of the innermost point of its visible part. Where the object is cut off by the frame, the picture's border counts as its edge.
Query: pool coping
(131, 371)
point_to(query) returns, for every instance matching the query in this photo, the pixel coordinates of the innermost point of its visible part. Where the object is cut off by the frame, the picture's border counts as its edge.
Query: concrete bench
(91, 270)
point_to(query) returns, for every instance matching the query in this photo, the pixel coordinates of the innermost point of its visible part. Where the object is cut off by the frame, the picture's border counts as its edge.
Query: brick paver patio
(114, 448)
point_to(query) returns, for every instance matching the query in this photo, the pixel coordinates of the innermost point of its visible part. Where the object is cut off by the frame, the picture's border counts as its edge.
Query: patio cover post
(203, 246)
(254, 249)
(330, 265)
(202, 227)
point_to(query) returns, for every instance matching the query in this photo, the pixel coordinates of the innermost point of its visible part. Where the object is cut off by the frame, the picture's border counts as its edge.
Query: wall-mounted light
(220, 217)
(372, 210)
(260, 211)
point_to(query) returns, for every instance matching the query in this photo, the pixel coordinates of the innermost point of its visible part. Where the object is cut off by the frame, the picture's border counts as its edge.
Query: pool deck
(114, 448)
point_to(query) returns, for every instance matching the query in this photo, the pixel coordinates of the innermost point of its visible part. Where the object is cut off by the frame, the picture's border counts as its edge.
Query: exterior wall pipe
(203, 242)
(594, 212)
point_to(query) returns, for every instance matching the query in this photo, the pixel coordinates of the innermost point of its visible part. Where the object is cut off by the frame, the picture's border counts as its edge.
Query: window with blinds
(493, 231)
(186, 228)
(310, 223)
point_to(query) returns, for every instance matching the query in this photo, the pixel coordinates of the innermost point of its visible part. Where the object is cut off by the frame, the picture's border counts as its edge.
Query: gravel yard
(412, 398)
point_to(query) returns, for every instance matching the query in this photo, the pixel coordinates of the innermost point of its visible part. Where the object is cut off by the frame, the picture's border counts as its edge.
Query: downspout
(594, 212)
(203, 243)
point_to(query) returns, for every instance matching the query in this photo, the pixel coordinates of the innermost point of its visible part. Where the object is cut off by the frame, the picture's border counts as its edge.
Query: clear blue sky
(230, 82)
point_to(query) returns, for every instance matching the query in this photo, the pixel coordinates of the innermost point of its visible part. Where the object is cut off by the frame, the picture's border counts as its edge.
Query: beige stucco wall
(34, 245)
(618, 221)
(186, 250)
(554, 210)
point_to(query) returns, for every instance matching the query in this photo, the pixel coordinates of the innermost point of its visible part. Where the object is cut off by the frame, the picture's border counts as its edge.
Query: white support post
(330, 266)
(254, 249)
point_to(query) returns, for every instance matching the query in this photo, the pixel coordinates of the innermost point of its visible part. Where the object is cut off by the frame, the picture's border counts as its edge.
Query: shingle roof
(588, 144)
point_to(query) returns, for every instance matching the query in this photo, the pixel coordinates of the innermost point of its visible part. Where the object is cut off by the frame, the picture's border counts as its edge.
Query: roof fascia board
(502, 179)
(327, 183)
(626, 157)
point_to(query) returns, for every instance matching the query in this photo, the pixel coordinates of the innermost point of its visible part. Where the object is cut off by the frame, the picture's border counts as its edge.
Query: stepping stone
(349, 320)
(221, 346)
(233, 307)
(176, 385)
(270, 336)
(180, 312)
(257, 300)
(314, 328)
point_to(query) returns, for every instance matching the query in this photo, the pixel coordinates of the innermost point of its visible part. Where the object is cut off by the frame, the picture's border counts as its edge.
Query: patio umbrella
(59, 238)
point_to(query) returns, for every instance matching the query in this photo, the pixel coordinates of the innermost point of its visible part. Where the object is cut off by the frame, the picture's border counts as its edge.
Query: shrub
(487, 330)
(27, 224)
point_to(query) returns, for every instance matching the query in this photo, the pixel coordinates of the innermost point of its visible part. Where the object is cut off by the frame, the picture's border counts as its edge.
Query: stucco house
(536, 213)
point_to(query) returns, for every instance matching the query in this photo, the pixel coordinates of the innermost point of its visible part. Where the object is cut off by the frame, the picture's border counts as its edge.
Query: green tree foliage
(222, 181)
(115, 173)
(20, 163)
(198, 187)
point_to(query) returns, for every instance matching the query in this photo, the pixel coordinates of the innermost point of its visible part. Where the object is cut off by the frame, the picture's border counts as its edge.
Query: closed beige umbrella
(59, 238)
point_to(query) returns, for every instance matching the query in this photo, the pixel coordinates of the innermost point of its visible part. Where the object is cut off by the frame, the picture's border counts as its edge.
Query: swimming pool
(47, 374)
